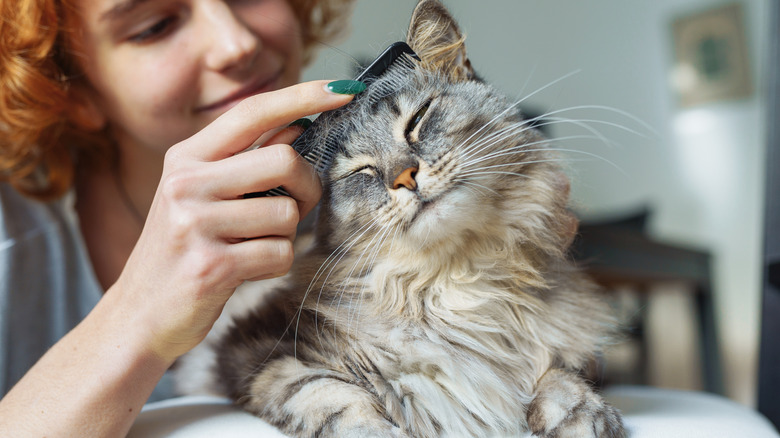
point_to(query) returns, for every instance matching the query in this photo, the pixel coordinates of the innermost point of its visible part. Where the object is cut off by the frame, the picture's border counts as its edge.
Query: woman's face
(160, 70)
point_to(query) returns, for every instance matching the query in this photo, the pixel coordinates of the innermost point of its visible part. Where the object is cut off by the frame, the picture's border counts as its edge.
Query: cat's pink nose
(406, 179)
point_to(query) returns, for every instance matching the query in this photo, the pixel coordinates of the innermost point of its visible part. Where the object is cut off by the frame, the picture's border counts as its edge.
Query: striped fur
(448, 308)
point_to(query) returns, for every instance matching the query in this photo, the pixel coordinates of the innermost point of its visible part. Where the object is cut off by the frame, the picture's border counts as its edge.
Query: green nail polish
(346, 87)
(303, 123)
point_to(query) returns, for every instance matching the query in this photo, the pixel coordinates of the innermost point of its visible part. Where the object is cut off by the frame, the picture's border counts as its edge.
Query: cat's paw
(566, 407)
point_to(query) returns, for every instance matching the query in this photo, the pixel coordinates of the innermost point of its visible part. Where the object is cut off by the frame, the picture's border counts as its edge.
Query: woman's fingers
(260, 259)
(263, 169)
(243, 219)
(285, 136)
(200, 235)
(238, 128)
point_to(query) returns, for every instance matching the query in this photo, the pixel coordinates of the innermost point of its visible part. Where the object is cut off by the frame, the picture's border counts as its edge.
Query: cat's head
(435, 160)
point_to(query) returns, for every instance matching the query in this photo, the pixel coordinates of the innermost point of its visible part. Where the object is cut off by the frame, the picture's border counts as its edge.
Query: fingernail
(346, 87)
(303, 123)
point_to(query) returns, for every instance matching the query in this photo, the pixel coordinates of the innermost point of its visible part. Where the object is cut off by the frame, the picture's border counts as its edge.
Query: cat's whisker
(582, 124)
(500, 139)
(528, 80)
(487, 125)
(475, 186)
(342, 249)
(333, 265)
(517, 128)
(590, 154)
(546, 119)
(501, 135)
(331, 261)
(370, 247)
(498, 173)
(554, 120)
(548, 85)
(346, 249)
(479, 172)
(362, 293)
(625, 114)
(574, 151)
(335, 256)
(522, 148)
(494, 138)
(372, 250)
(518, 102)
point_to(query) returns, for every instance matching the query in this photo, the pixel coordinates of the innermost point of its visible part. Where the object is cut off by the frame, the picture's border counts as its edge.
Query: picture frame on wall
(711, 57)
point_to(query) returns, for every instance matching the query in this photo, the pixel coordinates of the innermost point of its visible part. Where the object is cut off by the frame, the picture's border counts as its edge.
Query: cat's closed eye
(365, 169)
(414, 122)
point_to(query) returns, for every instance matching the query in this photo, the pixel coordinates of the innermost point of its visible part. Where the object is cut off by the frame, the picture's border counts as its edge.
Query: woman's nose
(230, 43)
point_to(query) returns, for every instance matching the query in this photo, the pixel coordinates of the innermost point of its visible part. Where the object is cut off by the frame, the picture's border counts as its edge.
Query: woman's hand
(199, 242)
(201, 239)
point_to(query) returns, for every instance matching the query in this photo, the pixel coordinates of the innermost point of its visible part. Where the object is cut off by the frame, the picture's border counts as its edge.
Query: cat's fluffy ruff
(450, 311)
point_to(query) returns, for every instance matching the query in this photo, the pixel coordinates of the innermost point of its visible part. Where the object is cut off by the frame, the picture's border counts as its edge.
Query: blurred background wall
(698, 169)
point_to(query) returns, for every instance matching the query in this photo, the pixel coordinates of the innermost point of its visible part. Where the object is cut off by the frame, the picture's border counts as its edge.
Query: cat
(437, 298)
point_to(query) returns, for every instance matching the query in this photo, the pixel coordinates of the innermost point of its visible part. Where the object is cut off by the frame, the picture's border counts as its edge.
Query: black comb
(321, 157)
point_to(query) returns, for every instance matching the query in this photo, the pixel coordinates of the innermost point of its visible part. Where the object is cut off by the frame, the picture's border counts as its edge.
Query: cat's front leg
(565, 406)
(304, 400)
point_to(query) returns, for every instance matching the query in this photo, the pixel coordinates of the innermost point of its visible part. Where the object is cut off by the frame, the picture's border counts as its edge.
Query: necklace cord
(125, 198)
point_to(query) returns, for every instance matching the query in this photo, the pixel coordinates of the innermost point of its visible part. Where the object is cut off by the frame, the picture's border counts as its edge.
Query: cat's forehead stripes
(383, 106)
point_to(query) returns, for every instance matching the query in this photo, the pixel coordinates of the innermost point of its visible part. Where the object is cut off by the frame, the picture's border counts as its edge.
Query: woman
(121, 127)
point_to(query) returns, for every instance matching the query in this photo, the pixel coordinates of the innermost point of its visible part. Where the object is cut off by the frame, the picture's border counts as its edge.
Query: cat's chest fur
(430, 380)
(443, 360)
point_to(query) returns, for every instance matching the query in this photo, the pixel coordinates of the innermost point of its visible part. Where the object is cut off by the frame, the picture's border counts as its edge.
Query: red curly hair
(39, 146)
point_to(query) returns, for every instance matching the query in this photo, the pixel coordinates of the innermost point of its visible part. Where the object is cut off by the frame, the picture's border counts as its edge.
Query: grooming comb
(320, 157)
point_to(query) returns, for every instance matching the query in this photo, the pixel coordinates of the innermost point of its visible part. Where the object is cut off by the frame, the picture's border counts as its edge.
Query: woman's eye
(417, 118)
(156, 30)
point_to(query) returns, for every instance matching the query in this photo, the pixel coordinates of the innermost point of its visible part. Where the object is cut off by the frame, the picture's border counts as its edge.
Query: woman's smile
(260, 84)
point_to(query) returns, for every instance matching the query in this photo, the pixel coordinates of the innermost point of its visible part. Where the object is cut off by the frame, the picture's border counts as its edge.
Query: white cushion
(655, 413)
(647, 412)
(199, 417)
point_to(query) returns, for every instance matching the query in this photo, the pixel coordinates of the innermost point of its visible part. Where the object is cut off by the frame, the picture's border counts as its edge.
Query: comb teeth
(320, 153)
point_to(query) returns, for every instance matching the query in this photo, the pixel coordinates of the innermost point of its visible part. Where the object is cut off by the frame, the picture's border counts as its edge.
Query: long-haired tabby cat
(437, 298)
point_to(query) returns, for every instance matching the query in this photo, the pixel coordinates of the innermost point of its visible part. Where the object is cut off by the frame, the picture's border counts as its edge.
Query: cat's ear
(567, 224)
(436, 38)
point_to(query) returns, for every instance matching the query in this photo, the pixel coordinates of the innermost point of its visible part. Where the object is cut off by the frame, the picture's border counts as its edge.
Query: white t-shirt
(47, 282)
